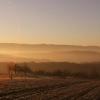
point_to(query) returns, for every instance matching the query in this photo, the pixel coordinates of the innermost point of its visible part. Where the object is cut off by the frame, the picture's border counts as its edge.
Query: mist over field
(20, 53)
(47, 53)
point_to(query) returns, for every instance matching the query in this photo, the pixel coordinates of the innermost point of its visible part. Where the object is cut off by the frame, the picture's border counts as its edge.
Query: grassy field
(50, 89)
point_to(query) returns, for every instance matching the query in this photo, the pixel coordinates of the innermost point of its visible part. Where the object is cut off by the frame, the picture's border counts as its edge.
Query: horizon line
(55, 44)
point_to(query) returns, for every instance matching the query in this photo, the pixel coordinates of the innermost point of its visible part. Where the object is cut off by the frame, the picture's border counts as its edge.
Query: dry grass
(46, 88)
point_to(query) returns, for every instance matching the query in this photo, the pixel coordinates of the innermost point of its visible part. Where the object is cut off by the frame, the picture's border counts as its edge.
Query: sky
(71, 22)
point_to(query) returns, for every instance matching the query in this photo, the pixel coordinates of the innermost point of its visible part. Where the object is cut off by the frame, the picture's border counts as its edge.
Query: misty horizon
(48, 52)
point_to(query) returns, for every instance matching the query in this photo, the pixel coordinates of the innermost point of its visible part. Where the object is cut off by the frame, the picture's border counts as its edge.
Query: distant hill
(88, 68)
(48, 53)
(15, 45)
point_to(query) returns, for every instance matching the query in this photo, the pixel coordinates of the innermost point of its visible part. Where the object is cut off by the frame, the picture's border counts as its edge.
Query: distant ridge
(49, 52)
(65, 45)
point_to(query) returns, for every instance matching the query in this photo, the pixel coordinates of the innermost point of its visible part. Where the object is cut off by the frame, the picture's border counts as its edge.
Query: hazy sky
(50, 21)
